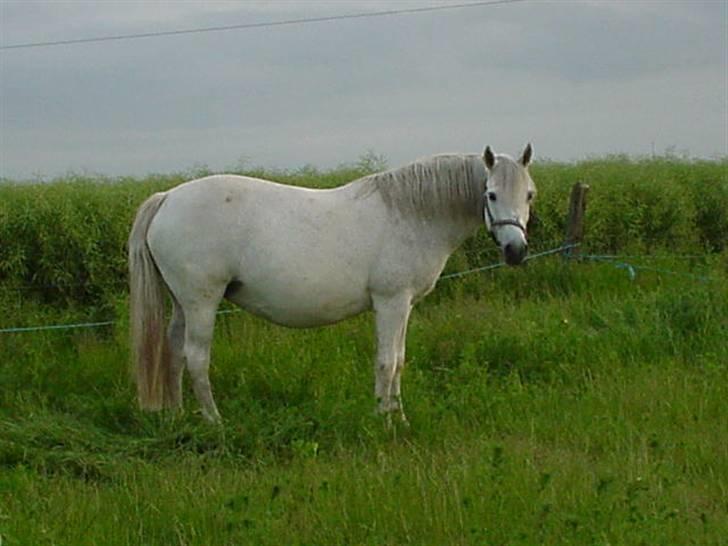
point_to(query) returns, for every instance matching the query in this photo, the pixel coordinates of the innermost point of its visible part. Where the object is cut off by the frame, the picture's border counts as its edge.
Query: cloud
(576, 78)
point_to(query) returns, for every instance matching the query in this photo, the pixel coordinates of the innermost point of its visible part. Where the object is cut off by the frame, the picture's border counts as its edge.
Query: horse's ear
(489, 158)
(527, 154)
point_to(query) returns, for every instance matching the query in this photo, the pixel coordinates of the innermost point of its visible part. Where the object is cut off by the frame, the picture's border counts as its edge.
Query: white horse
(303, 258)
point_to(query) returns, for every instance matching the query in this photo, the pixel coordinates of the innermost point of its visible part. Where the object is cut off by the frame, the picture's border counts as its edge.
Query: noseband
(492, 223)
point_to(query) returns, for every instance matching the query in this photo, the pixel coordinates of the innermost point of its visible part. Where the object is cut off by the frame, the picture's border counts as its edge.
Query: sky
(578, 79)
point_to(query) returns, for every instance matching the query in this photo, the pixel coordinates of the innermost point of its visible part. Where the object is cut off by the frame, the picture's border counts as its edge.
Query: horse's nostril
(515, 254)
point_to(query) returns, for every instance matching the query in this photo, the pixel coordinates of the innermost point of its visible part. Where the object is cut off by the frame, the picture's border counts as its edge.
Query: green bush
(63, 243)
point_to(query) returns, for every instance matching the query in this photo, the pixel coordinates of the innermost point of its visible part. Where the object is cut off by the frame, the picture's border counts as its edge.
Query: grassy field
(559, 403)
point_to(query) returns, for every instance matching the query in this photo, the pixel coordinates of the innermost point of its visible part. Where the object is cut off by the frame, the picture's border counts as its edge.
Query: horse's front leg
(392, 314)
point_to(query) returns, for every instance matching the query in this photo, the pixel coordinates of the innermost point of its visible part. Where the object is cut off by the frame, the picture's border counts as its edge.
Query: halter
(492, 223)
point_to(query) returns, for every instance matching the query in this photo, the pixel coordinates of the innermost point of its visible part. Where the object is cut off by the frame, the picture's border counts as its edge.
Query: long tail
(147, 291)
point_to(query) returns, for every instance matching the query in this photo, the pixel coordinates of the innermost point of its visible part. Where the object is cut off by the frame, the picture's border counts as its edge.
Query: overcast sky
(576, 78)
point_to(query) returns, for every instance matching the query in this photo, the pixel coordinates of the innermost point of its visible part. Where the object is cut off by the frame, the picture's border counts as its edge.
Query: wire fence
(632, 269)
(460, 274)
(23, 329)
(564, 250)
(98, 324)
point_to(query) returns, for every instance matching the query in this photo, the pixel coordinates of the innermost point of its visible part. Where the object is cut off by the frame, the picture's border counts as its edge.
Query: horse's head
(509, 192)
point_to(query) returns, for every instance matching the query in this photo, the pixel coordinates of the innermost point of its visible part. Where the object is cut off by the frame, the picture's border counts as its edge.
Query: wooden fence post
(575, 221)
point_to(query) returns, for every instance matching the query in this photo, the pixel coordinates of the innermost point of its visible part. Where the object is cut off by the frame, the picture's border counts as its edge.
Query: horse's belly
(300, 306)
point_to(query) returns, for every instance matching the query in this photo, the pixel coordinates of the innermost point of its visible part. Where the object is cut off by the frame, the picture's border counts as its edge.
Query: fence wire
(564, 250)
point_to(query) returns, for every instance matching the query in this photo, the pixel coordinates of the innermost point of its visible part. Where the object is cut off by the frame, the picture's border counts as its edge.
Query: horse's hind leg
(198, 338)
(176, 342)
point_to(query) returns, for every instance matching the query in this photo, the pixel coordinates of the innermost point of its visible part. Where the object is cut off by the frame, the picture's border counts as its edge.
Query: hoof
(212, 418)
(403, 419)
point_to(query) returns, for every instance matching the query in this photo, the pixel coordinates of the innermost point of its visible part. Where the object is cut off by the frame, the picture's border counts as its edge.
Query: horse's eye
(491, 195)
(530, 196)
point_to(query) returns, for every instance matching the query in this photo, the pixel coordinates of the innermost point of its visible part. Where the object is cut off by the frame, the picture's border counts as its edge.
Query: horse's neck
(448, 226)
(451, 226)
(453, 231)
(462, 229)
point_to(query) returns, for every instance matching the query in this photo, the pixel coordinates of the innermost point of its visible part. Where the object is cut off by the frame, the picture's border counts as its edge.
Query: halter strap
(492, 223)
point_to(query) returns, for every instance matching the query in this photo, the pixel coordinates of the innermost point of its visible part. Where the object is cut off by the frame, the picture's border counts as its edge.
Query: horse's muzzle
(515, 254)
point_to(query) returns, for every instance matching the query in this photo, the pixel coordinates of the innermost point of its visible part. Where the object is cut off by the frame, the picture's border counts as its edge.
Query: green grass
(561, 403)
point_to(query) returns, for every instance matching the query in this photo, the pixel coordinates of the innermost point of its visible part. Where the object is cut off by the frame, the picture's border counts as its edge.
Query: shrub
(64, 243)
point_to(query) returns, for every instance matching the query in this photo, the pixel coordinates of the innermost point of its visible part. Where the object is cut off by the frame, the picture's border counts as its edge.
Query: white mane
(451, 183)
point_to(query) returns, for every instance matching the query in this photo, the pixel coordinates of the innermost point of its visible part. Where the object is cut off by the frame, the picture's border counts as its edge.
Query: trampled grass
(561, 403)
